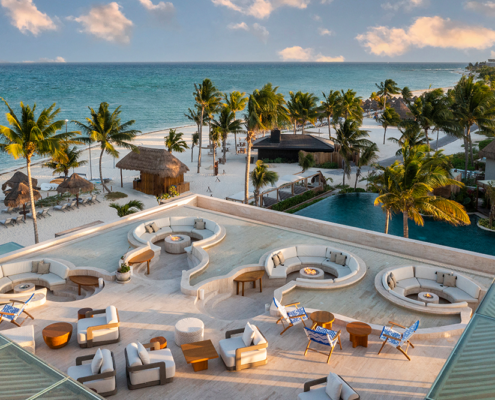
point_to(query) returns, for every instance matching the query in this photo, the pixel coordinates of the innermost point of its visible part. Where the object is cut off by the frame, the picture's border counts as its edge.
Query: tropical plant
(490, 196)
(412, 133)
(225, 124)
(293, 110)
(194, 142)
(207, 98)
(308, 108)
(215, 138)
(28, 136)
(386, 90)
(67, 158)
(368, 156)
(350, 139)
(235, 102)
(105, 128)
(261, 177)
(407, 95)
(348, 107)
(306, 161)
(129, 208)
(195, 116)
(389, 117)
(328, 107)
(174, 142)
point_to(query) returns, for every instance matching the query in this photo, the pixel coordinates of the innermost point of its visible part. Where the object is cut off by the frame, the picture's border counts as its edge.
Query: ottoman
(189, 330)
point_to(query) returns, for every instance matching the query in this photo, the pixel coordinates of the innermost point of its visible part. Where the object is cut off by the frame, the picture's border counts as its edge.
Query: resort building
(489, 153)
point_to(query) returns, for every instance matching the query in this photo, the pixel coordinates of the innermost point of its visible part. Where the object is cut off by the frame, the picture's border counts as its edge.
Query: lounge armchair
(347, 392)
(10, 313)
(237, 356)
(157, 368)
(100, 330)
(19, 219)
(7, 222)
(396, 339)
(290, 318)
(104, 381)
(325, 337)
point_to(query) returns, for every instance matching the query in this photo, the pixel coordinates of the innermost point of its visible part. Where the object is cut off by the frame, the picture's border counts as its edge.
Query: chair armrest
(97, 376)
(152, 346)
(89, 334)
(161, 365)
(309, 384)
(240, 350)
(17, 301)
(293, 304)
(229, 334)
(391, 337)
(393, 323)
(347, 383)
(79, 360)
(94, 312)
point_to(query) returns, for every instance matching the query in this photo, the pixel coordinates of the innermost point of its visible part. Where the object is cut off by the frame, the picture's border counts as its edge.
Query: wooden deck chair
(11, 313)
(290, 318)
(396, 339)
(323, 336)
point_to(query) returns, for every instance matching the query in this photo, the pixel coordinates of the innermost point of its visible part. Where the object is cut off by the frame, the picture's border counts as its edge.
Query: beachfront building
(489, 153)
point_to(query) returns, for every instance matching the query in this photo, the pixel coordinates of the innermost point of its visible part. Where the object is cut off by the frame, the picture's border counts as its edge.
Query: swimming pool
(357, 210)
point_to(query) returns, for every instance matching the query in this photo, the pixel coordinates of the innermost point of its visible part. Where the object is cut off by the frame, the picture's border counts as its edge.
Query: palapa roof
(298, 142)
(402, 109)
(153, 161)
(75, 184)
(489, 151)
(20, 195)
(17, 178)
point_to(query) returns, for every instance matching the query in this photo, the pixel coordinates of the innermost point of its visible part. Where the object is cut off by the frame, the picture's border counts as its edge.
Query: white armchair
(103, 328)
(322, 393)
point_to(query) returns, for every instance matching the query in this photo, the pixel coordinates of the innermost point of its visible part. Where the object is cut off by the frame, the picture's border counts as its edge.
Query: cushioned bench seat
(5, 285)
(228, 349)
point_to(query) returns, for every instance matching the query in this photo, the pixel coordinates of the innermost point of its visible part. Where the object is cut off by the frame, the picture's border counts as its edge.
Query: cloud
(326, 1)
(162, 10)
(297, 53)
(407, 5)
(106, 22)
(424, 32)
(492, 54)
(483, 7)
(256, 29)
(260, 8)
(26, 17)
(316, 17)
(48, 60)
(325, 32)
(240, 25)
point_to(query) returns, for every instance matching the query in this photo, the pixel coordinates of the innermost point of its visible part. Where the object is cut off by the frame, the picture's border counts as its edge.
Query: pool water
(357, 210)
(9, 246)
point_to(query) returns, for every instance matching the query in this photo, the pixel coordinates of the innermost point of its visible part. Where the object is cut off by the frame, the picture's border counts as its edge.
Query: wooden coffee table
(84, 280)
(322, 318)
(358, 333)
(161, 340)
(57, 335)
(146, 257)
(198, 354)
(81, 313)
(252, 276)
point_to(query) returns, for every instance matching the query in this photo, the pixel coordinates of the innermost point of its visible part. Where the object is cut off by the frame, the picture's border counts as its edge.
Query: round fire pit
(311, 273)
(175, 244)
(428, 297)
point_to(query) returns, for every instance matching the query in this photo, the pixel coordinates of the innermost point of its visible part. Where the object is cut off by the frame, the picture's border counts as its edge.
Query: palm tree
(293, 111)
(261, 177)
(407, 95)
(389, 117)
(174, 142)
(195, 116)
(308, 109)
(129, 208)
(236, 102)
(350, 139)
(328, 107)
(386, 90)
(225, 124)
(67, 159)
(411, 133)
(28, 136)
(195, 141)
(383, 183)
(106, 128)
(215, 137)
(207, 97)
(306, 161)
(349, 107)
(369, 155)
(473, 103)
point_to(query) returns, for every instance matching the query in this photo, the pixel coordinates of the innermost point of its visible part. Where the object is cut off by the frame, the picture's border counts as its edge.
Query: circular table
(434, 299)
(24, 288)
(177, 246)
(358, 333)
(251, 276)
(57, 335)
(81, 314)
(189, 330)
(319, 273)
(84, 280)
(145, 256)
(161, 340)
(322, 318)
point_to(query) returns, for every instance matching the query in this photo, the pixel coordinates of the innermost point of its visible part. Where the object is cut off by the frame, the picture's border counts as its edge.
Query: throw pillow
(199, 224)
(247, 336)
(97, 361)
(154, 226)
(340, 259)
(276, 260)
(334, 387)
(143, 354)
(392, 276)
(449, 280)
(258, 337)
(333, 256)
(440, 277)
(43, 268)
(281, 258)
(35, 264)
(148, 228)
(390, 283)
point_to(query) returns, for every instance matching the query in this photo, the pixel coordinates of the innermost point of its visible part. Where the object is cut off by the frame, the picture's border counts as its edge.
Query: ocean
(157, 95)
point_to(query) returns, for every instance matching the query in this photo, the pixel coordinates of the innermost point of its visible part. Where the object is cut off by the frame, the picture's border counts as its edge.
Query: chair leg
(15, 323)
(29, 315)
(307, 347)
(383, 345)
(330, 355)
(403, 352)
(288, 326)
(340, 343)
(409, 343)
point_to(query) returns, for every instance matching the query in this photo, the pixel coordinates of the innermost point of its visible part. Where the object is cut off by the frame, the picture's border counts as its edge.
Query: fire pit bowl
(428, 297)
(175, 244)
(311, 273)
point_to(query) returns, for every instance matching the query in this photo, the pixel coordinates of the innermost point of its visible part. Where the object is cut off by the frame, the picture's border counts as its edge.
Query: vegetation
(483, 143)
(51, 201)
(305, 205)
(129, 208)
(329, 165)
(115, 196)
(172, 192)
(328, 107)
(277, 160)
(225, 124)
(485, 223)
(195, 141)
(67, 158)
(411, 133)
(369, 155)
(386, 90)
(348, 107)
(293, 201)
(306, 161)
(389, 117)
(261, 177)
(174, 142)
(235, 102)
(490, 197)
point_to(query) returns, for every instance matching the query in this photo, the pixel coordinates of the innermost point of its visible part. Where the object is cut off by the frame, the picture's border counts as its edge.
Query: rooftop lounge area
(214, 261)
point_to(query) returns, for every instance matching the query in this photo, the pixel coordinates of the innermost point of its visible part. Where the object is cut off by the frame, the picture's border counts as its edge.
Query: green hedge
(329, 165)
(303, 206)
(293, 201)
(485, 223)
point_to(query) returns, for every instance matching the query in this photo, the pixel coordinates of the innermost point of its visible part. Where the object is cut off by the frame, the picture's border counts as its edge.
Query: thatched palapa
(19, 195)
(489, 151)
(401, 109)
(17, 178)
(75, 184)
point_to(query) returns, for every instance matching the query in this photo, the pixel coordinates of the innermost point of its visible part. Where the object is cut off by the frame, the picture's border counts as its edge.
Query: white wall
(490, 170)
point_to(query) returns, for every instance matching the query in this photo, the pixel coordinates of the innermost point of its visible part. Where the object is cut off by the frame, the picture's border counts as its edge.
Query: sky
(247, 30)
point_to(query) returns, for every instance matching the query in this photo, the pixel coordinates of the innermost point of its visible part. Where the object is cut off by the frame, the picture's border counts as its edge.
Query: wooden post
(121, 180)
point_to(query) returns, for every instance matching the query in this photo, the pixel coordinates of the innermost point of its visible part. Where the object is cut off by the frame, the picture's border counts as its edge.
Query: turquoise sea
(157, 95)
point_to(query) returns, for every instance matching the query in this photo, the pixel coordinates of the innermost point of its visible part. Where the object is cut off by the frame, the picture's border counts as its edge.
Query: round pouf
(189, 330)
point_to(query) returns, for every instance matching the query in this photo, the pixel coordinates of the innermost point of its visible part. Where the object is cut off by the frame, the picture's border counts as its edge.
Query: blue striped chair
(290, 318)
(11, 313)
(323, 336)
(396, 339)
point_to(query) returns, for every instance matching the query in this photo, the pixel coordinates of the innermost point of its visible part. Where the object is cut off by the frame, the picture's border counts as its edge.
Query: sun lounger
(7, 222)
(62, 207)
(85, 202)
(8, 210)
(94, 200)
(45, 213)
(19, 219)
(39, 214)
(72, 205)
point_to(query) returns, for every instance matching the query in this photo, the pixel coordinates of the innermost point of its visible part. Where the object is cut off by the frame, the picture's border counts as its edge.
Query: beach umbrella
(17, 178)
(19, 195)
(74, 185)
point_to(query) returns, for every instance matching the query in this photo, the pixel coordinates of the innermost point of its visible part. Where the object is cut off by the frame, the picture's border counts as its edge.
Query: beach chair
(8, 210)
(396, 339)
(290, 318)
(38, 214)
(323, 336)
(94, 200)
(19, 219)
(45, 213)
(7, 222)
(10, 313)
(72, 205)
(62, 207)
(85, 202)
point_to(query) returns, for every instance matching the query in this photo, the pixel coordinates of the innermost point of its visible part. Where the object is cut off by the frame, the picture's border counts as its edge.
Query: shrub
(329, 165)
(293, 201)
(303, 206)
(115, 196)
(52, 200)
(485, 223)
(458, 161)
(467, 198)
(484, 143)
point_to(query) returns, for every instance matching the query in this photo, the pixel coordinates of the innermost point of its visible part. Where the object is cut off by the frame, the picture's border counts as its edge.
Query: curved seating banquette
(301, 256)
(420, 278)
(21, 271)
(170, 225)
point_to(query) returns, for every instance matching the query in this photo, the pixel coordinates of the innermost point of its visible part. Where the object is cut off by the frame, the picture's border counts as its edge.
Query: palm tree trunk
(248, 161)
(192, 152)
(384, 134)
(438, 134)
(214, 149)
(384, 102)
(466, 152)
(387, 220)
(256, 196)
(357, 177)
(200, 138)
(329, 128)
(101, 173)
(471, 148)
(294, 124)
(405, 219)
(235, 138)
(427, 139)
(33, 206)
(225, 149)
(343, 182)
(303, 123)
